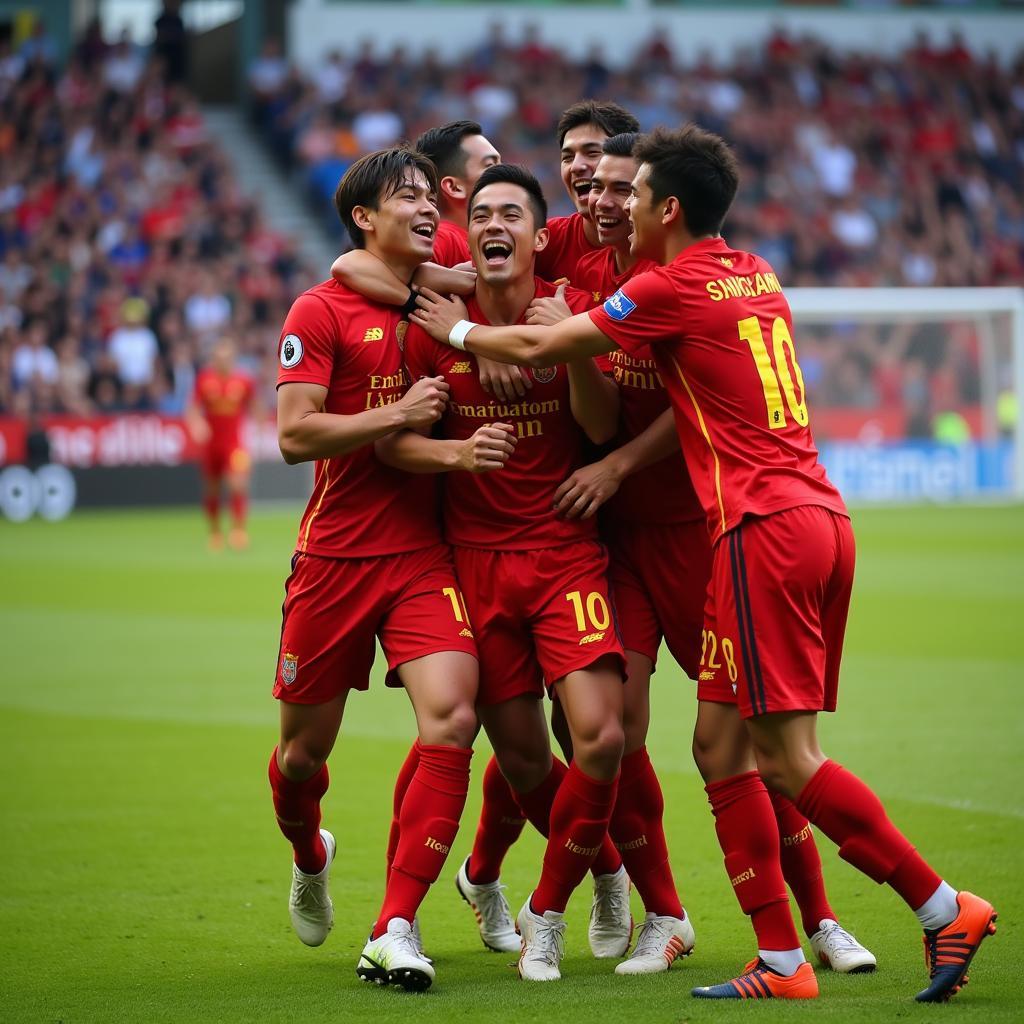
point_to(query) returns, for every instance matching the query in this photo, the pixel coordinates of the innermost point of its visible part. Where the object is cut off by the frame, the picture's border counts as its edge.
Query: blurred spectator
(133, 346)
(171, 43)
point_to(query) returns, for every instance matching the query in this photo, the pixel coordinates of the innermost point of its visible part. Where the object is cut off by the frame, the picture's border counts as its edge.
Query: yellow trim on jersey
(707, 437)
(313, 514)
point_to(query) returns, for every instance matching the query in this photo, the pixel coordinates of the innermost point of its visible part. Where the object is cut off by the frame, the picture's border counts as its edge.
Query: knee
(718, 757)
(456, 728)
(600, 753)
(524, 771)
(300, 759)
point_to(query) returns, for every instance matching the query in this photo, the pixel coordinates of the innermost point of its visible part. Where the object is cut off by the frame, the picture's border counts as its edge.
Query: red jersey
(662, 492)
(224, 401)
(451, 244)
(722, 337)
(567, 244)
(350, 345)
(510, 508)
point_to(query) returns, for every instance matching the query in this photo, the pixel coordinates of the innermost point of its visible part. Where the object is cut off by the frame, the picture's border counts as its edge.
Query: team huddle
(542, 447)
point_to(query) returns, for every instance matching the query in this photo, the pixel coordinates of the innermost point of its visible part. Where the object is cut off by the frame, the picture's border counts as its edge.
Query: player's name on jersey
(737, 286)
(523, 416)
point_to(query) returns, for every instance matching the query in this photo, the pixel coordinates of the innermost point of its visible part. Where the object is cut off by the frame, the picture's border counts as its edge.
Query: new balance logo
(374, 334)
(743, 876)
(591, 638)
(435, 845)
(462, 366)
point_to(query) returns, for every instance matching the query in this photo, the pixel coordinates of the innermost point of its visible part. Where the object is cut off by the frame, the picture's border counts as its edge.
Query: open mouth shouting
(496, 251)
(425, 230)
(581, 187)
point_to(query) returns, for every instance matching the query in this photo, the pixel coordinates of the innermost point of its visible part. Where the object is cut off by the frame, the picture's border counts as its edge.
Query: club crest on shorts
(619, 306)
(291, 351)
(289, 668)
(400, 330)
(544, 374)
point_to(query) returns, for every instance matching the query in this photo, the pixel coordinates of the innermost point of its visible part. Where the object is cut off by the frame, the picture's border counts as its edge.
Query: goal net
(914, 393)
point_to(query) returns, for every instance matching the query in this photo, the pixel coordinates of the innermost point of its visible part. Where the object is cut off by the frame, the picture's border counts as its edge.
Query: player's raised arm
(520, 343)
(305, 432)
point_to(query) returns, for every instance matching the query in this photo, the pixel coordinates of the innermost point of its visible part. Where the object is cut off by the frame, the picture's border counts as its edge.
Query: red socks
(537, 804)
(297, 805)
(801, 864)
(405, 775)
(211, 506)
(428, 822)
(639, 836)
(850, 814)
(749, 837)
(579, 826)
(501, 824)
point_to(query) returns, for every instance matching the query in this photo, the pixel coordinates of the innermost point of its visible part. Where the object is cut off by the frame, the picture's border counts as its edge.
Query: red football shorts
(334, 607)
(538, 615)
(219, 460)
(776, 612)
(660, 577)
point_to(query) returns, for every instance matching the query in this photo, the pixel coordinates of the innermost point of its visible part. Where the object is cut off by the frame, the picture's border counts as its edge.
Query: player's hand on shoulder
(490, 447)
(548, 311)
(438, 314)
(586, 490)
(503, 380)
(423, 404)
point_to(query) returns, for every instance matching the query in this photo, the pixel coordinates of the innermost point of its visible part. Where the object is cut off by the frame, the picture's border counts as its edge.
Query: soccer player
(535, 585)
(582, 130)
(222, 398)
(660, 568)
(782, 573)
(369, 561)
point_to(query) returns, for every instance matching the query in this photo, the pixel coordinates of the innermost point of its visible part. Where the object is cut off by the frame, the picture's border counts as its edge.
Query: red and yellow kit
(451, 245)
(223, 401)
(721, 333)
(567, 245)
(535, 584)
(654, 525)
(369, 548)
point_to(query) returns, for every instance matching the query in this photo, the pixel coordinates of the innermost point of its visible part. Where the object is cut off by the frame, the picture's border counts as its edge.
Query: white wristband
(457, 335)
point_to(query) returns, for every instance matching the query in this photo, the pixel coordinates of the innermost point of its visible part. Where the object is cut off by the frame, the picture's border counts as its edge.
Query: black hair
(376, 177)
(609, 117)
(443, 145)
(621, 144)
(515, 174)
(695, 166)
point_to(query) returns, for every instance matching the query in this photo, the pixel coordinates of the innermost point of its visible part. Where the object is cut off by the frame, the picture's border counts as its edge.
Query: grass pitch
(144, 878)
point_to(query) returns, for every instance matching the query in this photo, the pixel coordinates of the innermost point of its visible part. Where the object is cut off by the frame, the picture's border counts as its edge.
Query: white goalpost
(915, 392)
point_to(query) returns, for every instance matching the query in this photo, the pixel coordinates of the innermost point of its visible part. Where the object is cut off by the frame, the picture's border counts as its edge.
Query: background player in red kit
(369, 562)
(660, 551)
(535, 585)
(222, 399)
(582, 130)
(782, 575)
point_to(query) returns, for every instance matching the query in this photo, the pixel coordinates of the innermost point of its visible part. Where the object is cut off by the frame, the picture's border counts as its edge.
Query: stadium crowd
(125, 246)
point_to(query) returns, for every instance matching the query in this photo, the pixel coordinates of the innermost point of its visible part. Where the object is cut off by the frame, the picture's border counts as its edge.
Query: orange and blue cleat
(759, 981)
(948, 951)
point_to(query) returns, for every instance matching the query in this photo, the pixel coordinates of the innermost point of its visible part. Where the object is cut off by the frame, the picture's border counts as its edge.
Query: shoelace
(308, 892)
(609, 906)
(653, 937)
(406, 943)
(494, 909)
(549, 943)
(838, 939)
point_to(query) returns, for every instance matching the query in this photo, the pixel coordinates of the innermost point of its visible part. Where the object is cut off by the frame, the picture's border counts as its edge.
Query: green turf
(144, 878)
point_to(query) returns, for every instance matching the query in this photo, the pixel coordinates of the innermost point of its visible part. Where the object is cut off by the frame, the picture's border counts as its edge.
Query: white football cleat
(838, 949)
(497, 929)
(611, 923)
(417, 938)
(661, 942)
(543, 944)
(309, 903)
(393, 959)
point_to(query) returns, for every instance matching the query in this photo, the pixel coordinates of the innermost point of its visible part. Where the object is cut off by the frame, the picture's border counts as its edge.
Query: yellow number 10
(597, 610)
(772, 377)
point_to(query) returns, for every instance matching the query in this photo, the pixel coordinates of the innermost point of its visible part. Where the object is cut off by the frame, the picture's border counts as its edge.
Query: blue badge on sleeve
(619, 306)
